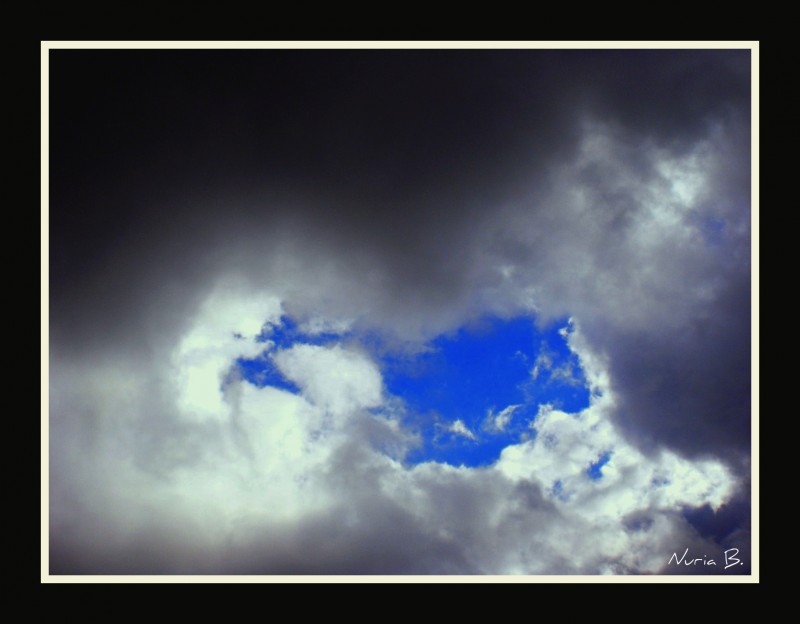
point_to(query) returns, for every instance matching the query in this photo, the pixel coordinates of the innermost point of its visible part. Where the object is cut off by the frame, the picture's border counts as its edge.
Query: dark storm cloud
(157, 154)
(391, 187)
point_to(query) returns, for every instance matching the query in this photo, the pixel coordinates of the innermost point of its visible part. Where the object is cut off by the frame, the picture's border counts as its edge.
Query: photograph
(399, 311)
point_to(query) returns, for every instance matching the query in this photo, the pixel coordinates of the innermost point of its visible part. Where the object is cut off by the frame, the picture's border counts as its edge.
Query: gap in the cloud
(288, 332)
(595, 471)
(557, 491)
(477, 390)
(468, 394)
(261, 370)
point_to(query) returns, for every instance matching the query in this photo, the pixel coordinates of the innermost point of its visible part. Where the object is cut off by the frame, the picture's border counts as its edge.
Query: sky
(392, 312)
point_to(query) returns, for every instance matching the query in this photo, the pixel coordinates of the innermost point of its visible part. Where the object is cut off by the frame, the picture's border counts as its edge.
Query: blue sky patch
(478, 389)
(470, 393)
(595, 471)
(288, 332)
(261, 371)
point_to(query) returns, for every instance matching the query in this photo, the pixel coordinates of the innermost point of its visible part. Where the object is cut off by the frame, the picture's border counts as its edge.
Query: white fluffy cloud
(336, 379)
(459, 428)
(224, 328)
(500, 420)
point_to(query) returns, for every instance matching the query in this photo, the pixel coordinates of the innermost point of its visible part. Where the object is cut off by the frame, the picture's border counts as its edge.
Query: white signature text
(730, 559)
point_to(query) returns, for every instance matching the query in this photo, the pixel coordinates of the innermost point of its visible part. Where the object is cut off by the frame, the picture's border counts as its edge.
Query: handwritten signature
(730, 559)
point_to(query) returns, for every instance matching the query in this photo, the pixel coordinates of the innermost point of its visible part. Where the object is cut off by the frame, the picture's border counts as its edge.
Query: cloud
(335, 379)
(324, 468)
(543, 362)
(381, 209)
(459, 428)
(500, 420)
